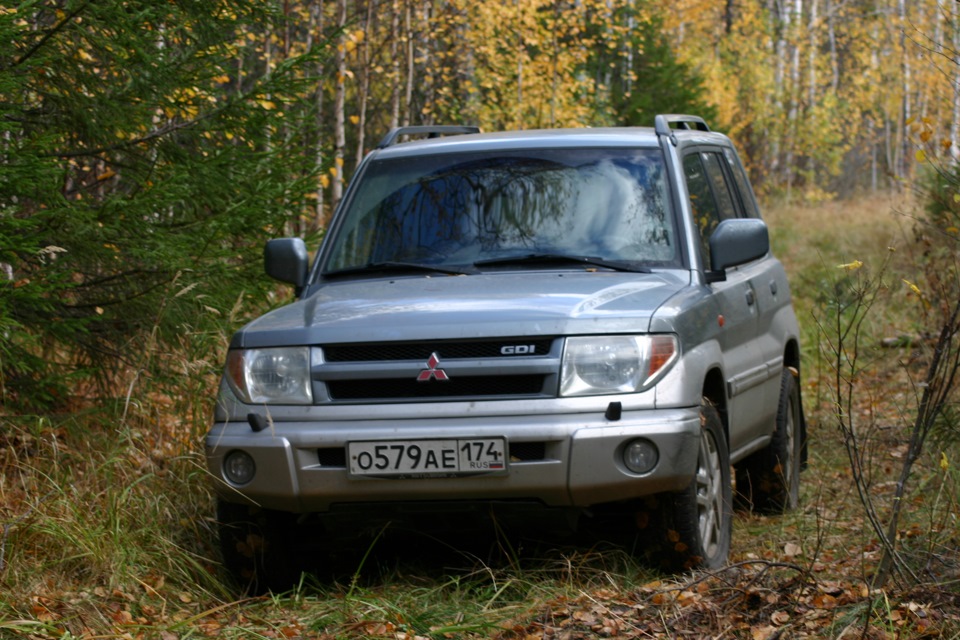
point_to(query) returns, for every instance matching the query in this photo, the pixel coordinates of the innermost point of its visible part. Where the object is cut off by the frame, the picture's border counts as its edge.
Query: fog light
(640, 456)
(239, 467)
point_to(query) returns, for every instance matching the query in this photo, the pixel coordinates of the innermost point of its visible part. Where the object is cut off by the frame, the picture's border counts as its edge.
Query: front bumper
(298, 469)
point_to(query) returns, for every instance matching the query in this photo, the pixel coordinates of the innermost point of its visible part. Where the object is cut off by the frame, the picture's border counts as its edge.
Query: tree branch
(57, 28)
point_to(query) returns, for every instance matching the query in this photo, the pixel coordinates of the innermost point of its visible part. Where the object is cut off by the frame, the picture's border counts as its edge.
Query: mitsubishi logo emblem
(432, 372)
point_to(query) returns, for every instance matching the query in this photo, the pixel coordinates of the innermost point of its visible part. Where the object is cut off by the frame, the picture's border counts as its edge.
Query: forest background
(150, 148)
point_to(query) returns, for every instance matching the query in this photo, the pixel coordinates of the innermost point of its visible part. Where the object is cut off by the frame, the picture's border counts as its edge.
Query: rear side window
(743, 184)
(713, 164)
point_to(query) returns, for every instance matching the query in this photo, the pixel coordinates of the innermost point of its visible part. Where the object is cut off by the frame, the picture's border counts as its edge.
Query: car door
(712, 200)
(770, 280)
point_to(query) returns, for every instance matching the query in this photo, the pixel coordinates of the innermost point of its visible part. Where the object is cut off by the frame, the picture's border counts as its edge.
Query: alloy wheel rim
(709, 494)
(788, 466)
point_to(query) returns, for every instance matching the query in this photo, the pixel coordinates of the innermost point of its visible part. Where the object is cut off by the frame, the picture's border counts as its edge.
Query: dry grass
(851, 229)
(831, 251)
(107, 529)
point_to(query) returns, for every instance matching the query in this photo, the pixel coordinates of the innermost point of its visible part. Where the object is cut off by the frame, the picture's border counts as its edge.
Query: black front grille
(444, 350)
(522, 385)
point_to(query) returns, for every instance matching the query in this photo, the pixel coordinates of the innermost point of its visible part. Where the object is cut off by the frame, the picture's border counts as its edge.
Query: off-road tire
(694, 526)
(768, 481)
(258, 547)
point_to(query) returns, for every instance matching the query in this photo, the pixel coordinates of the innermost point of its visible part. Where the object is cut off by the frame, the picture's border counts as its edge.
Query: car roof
(605, 137)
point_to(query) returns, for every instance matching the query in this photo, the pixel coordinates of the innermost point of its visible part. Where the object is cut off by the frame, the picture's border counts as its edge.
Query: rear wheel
(694, 525)
(258, 547)
(768, 481)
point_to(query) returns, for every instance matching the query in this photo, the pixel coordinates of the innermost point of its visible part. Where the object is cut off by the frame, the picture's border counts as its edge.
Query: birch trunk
(394, 64)
(554, 63)
(812, 82)
(408, 98)
(339, 99)
(780, 17)
(793, 113)
(955, 121)
(315, 31)
(830, 11)
(520, 47)
(906, 109)
(364, 88)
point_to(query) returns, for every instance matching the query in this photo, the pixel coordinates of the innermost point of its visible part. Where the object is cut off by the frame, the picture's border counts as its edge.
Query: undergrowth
(108, 531)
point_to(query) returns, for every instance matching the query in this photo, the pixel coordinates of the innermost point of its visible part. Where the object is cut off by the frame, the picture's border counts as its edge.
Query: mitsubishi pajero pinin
(548, 326)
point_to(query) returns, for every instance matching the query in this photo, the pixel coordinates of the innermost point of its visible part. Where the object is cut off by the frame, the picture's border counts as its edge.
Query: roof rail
(431, 131)
(662, 123)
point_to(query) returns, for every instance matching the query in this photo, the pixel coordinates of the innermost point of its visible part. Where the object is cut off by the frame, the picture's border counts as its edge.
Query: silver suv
(580, 325)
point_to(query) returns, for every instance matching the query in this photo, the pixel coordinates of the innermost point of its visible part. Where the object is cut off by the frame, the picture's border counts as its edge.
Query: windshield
(606, 204)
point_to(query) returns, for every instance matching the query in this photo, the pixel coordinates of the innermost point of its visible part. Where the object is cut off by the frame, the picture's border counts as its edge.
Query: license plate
(427, 458)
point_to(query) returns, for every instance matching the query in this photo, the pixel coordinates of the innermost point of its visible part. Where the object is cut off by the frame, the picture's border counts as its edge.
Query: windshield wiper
(393, 266)
(561, 257)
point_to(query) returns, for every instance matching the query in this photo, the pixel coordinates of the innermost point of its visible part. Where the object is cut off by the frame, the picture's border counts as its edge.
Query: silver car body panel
(579, 467)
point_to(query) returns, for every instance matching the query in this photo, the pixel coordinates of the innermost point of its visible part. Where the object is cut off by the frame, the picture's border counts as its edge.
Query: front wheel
(694, 527)
(258, 547)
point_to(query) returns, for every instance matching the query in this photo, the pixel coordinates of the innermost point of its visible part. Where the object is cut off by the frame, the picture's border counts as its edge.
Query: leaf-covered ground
(107, 528)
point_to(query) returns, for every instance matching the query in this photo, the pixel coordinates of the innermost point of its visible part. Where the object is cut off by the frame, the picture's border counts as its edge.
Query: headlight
(596, 365)
(271, 376)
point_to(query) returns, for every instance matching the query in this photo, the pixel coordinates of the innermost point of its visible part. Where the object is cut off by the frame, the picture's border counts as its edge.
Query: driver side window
(702, 203)
(710, 198)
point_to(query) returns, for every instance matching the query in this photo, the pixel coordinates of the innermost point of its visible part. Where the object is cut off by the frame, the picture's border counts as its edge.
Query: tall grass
(108, 525)
(108, 530)
(834, 254)
(89, 506)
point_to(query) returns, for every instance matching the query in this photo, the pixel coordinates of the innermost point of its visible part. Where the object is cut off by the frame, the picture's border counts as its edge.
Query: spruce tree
(660, 83)
(148, 150)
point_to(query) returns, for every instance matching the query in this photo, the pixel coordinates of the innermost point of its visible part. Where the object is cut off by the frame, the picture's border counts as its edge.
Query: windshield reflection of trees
(491, 206)
(513, 206)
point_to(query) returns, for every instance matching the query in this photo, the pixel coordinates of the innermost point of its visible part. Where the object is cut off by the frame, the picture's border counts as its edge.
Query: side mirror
(737, 241)
(287, 260)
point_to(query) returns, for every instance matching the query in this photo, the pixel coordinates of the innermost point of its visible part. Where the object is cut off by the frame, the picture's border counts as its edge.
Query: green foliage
(147, 152)
(657, 82)
(940, 190)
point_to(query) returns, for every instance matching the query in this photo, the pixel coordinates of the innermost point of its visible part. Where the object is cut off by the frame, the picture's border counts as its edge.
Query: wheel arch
(791, 355)
(791, 360)
(714, 390)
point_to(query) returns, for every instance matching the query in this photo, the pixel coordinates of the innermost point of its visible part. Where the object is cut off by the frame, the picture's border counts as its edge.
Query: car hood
(474, 306)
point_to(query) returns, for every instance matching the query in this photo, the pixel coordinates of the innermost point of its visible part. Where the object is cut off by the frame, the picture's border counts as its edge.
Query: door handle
(750, 297)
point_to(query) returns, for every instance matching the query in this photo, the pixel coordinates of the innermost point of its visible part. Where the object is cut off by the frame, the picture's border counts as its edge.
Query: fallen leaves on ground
(759, 601)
